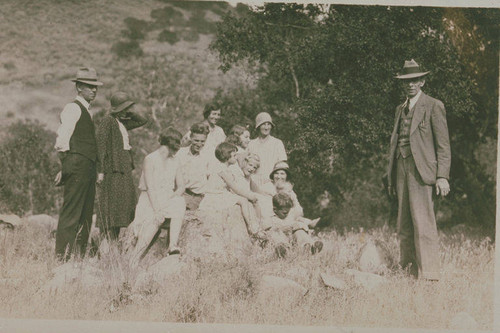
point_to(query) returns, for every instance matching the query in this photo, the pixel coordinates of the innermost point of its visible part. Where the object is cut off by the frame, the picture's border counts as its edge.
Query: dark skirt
(116, 200)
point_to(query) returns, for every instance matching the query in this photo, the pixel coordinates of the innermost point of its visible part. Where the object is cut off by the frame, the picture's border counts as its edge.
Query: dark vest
(83, 139)
(404, 134)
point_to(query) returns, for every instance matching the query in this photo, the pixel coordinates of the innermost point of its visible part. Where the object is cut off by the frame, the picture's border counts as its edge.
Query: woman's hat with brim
(120, 101)
(281, 165)
(87, 75)
(262, 118)
(411, 70)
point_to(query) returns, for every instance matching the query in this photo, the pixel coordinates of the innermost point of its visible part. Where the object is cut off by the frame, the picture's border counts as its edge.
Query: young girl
(269, 148)
(224, 191)
(161, 186)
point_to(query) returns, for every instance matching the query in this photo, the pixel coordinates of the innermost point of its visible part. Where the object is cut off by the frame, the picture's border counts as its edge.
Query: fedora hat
(410, 70)
(120, 101)
(262, 118)
(281, 165)
(87, 75)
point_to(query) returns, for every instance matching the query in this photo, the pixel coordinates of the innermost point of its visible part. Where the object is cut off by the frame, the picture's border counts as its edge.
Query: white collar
(413, 100)
(83, 101)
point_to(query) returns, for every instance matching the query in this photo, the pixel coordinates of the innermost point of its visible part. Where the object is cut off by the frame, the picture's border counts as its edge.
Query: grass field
(228, 292)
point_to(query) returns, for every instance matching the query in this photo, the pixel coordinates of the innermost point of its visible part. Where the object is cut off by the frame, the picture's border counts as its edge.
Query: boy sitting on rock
(282, 231)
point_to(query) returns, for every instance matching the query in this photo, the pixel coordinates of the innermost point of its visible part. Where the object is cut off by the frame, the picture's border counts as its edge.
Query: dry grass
(227, 292)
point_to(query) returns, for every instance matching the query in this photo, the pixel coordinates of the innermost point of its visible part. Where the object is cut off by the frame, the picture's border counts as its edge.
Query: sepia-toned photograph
(270, 165)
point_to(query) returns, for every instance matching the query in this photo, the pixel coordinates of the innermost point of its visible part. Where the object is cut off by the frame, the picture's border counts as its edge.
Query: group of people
(205, 170)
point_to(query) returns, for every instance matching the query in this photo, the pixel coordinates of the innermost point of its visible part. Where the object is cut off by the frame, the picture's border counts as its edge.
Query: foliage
(168, 36)
(126, 49)
(28, 165)
(136, 29)
(328, 81)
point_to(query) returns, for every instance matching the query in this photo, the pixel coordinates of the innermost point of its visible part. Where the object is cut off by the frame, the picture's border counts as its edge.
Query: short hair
(224, 150)
(238, 130)
(251, 157)
(199, 128)
(170, 136)
(282, 200)
(233, 139)
(209, 107)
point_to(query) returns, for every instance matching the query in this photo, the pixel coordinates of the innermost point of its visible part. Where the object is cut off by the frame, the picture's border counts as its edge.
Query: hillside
(43, 43)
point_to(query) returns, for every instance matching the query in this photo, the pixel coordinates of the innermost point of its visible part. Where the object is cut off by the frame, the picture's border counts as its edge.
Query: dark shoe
(317, 247)
(280, 251)
(174, 250)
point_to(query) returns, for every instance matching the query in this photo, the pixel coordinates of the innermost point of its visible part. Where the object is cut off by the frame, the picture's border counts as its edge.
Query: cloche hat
(281, 165)
(120, 101)
(262, 118)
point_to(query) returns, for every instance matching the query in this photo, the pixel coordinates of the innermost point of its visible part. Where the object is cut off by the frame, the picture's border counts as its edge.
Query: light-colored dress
(217, 194)
(270, 151)
(161, 187)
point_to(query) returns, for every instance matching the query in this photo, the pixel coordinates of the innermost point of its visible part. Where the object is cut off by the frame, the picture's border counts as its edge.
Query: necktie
(407, 108)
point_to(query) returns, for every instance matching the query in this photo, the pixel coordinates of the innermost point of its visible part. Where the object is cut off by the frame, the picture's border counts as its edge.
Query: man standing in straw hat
(77, 150)
(419, 160)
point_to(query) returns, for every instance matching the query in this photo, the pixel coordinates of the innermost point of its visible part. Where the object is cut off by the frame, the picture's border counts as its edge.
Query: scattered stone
(159, 272)
(273, 285)
(366, 280)
(69, 274)
(463, 321)
(10, 221)
(44, 221)
(374, 258)
(333, 282)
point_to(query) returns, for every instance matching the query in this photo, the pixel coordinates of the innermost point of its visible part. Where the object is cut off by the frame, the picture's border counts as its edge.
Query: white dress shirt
(69, 117)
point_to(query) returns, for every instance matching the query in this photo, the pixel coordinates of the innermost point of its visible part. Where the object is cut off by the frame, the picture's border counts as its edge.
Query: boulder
(72, 274)
(160, 271)
(463, 321)
(43, 220)
(374, 258)
(271, 286)
(333, 282)
(366, 280)
(10, 221)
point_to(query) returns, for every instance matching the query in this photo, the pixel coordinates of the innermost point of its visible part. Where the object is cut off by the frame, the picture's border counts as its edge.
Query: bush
(127, 49)
(136, 29)
(29, 165)
(168, 36)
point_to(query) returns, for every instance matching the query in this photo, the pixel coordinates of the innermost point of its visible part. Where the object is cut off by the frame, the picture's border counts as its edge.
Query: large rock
(366, 280)
(333, 282)
(160, 271)
(73, 274)
(272, 286)
(463, 321)
(215, 234)
(43, 220)
(10, 221)
(374, 258)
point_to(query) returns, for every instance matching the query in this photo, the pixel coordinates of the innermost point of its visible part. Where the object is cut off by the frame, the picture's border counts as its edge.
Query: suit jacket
(429, 141)
(110, 153)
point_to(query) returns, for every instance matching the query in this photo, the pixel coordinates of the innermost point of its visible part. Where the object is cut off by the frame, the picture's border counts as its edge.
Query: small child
(282, 231)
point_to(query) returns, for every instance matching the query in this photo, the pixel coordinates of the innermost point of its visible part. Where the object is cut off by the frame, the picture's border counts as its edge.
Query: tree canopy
(327, 77)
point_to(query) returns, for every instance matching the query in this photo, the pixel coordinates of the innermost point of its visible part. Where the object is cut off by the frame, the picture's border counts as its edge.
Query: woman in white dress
(269, 148)
(161, 197)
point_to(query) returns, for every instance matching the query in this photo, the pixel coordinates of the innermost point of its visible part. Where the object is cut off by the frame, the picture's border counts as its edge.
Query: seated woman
(223, 190)
(240, 137)
(161, 186)
(280, 183)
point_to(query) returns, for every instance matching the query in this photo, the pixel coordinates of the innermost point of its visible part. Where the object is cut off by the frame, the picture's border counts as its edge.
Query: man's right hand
(57, 180)
(391, 191)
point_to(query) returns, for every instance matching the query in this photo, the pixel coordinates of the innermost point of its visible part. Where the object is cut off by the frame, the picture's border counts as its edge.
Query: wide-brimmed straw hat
(262, 118)
(120, 101)
(87, 75)
(281, 165)
(411, 70)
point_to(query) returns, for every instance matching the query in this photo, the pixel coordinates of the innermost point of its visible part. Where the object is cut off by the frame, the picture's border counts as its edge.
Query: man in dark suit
(77, 150)
(419, 159)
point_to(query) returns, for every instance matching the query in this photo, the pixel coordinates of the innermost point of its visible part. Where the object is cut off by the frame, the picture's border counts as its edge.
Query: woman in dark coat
(116, 199)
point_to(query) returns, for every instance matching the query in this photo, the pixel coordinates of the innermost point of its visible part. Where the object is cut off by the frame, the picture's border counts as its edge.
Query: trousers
(75, 217)
(417, 230)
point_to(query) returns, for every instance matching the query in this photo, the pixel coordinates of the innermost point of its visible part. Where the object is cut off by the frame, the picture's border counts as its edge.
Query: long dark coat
(116, 197)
